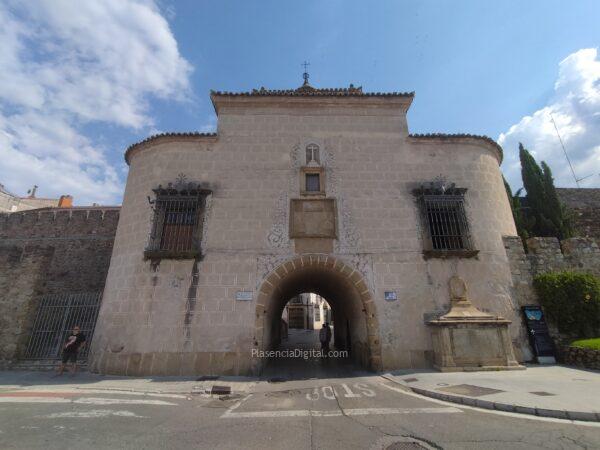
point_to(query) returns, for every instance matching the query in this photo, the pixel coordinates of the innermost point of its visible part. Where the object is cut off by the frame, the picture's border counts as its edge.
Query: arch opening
(353, 312)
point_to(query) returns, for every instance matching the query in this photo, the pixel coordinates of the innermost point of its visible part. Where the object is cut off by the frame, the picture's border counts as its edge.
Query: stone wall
(22, 274)
(580, 357)
(49, 251)
(585, 205)
(544, 254)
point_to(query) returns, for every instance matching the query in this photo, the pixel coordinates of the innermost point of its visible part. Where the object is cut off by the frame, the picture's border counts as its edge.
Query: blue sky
(84, 80)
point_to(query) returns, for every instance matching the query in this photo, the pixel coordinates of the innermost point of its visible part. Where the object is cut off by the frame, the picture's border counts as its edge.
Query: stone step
(42, 365)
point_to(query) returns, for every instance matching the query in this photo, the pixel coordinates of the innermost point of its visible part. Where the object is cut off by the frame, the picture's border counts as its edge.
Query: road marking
(34, 400)
(491, 411)
(86, 401)
(337, 413)
(84, 391)
(92, 414)
(121, 401)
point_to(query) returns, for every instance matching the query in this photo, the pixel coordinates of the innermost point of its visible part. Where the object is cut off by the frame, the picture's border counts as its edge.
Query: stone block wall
(22, 274)
(585, 205)
(49, 251)
(580, 357)
(544, 254)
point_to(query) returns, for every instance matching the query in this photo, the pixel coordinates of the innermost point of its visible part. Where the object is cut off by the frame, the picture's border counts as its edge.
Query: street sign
(243, 296)
(390, 296)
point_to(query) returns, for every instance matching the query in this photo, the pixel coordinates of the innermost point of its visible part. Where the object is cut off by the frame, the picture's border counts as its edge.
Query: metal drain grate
(470, 390)
(542, 393)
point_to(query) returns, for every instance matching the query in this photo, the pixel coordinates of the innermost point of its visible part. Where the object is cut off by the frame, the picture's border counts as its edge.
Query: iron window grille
(445, 224)
(177, 223)
(313, 182)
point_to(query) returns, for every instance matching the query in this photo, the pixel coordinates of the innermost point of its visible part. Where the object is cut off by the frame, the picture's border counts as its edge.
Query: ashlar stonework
(307, 190)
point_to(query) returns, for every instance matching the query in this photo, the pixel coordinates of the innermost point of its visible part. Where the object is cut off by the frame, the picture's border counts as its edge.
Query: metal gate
(56, 317)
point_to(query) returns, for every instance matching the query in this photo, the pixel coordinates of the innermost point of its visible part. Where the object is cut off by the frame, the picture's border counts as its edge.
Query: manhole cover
(470, 390)
(542, 393)
(405, 446)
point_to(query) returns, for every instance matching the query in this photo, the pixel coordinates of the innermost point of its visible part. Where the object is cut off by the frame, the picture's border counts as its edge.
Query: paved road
(344, 412)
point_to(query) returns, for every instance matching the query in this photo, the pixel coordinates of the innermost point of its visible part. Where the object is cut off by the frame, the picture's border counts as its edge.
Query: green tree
(555, 211)
(515, 205)
(548, 215)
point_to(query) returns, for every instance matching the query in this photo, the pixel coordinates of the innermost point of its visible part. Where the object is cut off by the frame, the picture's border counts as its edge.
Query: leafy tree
(548, 215)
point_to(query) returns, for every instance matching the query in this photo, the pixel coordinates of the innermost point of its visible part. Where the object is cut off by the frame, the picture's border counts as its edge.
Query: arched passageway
(356, 326)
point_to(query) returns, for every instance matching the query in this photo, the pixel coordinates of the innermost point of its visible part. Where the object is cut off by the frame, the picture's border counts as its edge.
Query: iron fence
(55, 319)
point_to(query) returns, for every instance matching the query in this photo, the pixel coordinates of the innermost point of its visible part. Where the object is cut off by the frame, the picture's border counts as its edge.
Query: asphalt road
(353, 412)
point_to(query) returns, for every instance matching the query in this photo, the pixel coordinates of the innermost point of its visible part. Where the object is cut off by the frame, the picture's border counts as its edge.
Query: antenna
(577, 180)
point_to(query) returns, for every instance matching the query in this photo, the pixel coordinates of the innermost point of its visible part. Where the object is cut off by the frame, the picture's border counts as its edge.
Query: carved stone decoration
(296, 156)
(278, 236)
(265, 264)
(466, 339)
(363, 264)
(205, 221)
(349, 237)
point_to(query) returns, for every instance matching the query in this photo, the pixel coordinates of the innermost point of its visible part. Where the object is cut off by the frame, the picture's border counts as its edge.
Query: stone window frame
(435, 240)
(187, 206)
(304, 171)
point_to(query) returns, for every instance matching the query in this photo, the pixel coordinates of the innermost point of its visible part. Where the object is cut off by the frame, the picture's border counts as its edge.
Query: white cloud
(66, 64)
(575, 107)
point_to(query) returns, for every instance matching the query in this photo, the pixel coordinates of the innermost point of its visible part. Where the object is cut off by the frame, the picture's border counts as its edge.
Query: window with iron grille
(444, 221)
(177, 225)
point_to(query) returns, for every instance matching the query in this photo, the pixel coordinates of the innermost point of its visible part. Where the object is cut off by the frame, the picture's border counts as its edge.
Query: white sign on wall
(243, 296)
(390, 296)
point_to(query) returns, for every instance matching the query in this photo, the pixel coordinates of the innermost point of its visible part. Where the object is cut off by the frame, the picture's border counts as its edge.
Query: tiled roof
(487, 139)
(307, 90)
(161, 135)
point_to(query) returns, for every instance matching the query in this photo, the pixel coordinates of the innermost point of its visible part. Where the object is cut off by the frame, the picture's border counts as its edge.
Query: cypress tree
(515, 205)
(555, 211)
(548, 215)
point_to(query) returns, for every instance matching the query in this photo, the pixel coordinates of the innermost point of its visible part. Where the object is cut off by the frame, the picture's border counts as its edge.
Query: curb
(505, 407)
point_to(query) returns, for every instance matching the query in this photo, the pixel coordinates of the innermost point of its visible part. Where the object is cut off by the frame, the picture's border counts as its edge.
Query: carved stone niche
(467, 339)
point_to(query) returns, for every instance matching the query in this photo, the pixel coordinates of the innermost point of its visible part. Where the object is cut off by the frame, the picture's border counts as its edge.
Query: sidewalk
(549, 391)
(29, 380)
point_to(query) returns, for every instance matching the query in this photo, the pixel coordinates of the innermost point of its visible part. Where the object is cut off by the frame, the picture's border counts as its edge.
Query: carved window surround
(317, 170)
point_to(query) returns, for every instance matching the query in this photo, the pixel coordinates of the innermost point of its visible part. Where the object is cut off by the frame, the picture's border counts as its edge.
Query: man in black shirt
(74, 343)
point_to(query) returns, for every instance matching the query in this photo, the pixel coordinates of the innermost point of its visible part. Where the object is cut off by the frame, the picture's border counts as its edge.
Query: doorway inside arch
(285, 322)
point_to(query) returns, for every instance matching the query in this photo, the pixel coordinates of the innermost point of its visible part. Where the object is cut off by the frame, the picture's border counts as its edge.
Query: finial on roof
(305, 74)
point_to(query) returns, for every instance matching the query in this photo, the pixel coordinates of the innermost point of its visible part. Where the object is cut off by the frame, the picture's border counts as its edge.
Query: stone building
(305, 190)
(307, 311)
(10, 202)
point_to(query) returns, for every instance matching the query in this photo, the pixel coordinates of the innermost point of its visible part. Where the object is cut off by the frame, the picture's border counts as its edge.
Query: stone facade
(13, 203)
(584, 203)
(185, 316)
(545, 254)
(49, 251)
